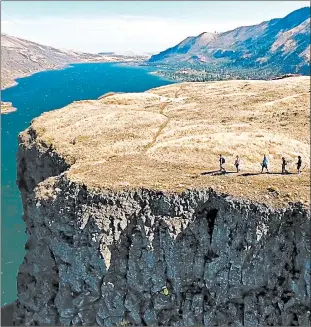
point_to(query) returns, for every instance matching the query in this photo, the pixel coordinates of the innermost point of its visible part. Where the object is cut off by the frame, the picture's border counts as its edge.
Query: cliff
(124, 230)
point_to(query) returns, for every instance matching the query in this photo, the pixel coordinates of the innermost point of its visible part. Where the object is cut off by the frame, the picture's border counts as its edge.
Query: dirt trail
(161, 128)
(284, 99)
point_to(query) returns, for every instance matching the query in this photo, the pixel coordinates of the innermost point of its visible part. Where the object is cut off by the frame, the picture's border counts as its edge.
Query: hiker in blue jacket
(264, 163)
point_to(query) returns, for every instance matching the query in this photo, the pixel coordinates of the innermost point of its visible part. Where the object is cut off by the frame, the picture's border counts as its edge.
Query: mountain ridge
(279, 42)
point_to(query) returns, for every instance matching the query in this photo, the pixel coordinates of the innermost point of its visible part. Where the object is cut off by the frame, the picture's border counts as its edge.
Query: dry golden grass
(166, 137)
(6, 107)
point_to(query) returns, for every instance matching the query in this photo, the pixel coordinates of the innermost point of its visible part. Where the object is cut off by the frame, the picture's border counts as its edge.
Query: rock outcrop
(104, 250)
(6, 107)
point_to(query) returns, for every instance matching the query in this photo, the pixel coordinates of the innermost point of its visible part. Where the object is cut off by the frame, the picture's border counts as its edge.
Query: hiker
(237, 164)
(299, 163)
(264, 164)
(284, 163)
(221, 162)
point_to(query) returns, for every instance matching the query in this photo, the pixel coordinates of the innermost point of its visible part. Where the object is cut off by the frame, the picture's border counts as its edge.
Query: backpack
(223, 160)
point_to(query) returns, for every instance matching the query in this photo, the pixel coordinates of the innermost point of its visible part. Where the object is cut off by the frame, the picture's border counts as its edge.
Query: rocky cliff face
(145, 257)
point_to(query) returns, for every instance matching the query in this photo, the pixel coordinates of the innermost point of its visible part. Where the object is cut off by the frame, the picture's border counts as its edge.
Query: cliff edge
(170, 138)
(124, 227)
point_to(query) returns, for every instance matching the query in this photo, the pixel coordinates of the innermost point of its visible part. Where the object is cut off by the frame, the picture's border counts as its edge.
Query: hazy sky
(133, 26)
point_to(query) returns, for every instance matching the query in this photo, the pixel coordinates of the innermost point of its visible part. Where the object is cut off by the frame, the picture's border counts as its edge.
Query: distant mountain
(106, 53)
(283, 43)
(126, 55)
(21, 57)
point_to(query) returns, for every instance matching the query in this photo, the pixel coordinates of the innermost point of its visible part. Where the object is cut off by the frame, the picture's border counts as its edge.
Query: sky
(131, 26)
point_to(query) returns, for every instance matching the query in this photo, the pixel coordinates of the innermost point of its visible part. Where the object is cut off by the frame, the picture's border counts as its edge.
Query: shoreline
(15, 82)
